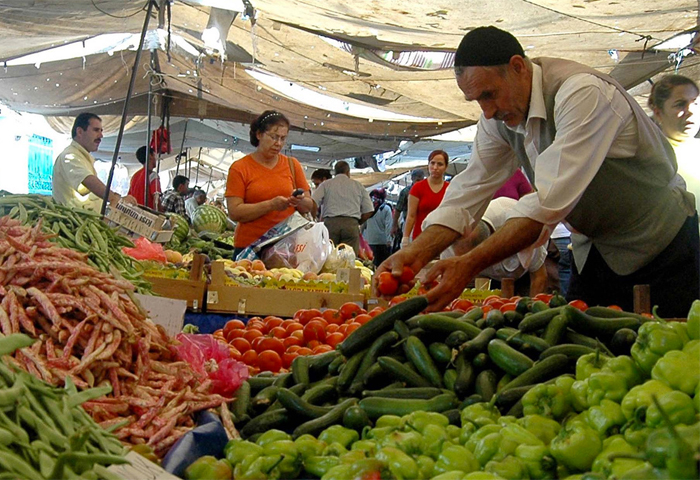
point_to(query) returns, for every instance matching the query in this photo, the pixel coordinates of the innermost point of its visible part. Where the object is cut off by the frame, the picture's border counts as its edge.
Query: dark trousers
(673, 277)
(381, 253)
(344, 230)
(564, 263)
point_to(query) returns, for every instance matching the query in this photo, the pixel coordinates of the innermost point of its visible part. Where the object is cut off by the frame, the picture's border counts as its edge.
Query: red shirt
(427, 202)
(137, 187)
(517, 186)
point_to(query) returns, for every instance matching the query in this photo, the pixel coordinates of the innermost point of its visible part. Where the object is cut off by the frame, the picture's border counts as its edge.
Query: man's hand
(281, 203)
(453, 275)
(395, 264)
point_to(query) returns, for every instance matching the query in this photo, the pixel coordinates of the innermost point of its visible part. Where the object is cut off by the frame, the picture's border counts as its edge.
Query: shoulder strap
(291, 167)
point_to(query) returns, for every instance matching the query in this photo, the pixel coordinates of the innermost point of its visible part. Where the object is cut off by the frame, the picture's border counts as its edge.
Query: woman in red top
(260, 186)
(426, 195)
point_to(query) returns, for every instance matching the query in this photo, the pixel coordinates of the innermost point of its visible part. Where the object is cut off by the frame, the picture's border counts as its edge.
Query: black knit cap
(487, 46)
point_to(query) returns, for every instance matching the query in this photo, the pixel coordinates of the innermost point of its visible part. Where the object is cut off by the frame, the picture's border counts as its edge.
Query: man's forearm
(96, 186)
(432, 241)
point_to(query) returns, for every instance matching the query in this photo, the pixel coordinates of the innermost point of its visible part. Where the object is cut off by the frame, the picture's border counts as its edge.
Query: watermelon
(180, 226)
(208, 218)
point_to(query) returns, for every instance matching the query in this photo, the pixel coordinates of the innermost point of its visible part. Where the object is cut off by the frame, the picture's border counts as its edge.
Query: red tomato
(233, 325)
(332, 328)
(387, 284)
(615, 307)
(298, 334)
(507, 307)
(298, 314)
(334, 339)
(486, 308)
(288, 358)
(407, 275)
(293, 348)
(234, 353)
(250, 358)
(460, 304)
(238, 333)
(543, 297)
(272, 322)
(255, 325)
(323, 348)
(308, 315)
(321, 320)
(255, 344)
(252, 334)
(292, 341)
(270, 361)
(490, 298)
(362, 318)
(218, 333)
(580, 304)
(293, 327)
(333, 316)
(314, 330)
(396, 300)
(375, 311)
(279, 332)
(497, 304)
(350, 310)
(351, 327)
(271, 343)
(343, 329)
(304, 351)
(313, 344)
(403, 289)
(241, 344)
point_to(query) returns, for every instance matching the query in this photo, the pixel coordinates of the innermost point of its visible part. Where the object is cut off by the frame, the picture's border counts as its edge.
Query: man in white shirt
(515, 266)
(198, 198)
(345, 205)
(74, 181)
(595, 159)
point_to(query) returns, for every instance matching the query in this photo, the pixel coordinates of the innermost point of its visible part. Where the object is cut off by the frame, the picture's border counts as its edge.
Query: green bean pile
(80, 230)
(44, 433)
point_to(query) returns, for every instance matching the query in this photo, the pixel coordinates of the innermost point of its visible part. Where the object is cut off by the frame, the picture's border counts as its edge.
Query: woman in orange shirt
(260, 186)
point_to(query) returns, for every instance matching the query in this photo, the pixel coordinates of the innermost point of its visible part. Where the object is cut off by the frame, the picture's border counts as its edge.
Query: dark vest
(628, 211)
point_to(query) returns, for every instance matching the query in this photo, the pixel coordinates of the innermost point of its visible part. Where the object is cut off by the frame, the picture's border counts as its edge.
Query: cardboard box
(268, 301)
(192, 290)
(139, 221)
(168, 312)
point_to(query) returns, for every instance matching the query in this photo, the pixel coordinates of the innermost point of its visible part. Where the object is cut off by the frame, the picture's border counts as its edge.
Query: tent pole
(182, 146)
(146, 198)
(199, 159)
(122, 124)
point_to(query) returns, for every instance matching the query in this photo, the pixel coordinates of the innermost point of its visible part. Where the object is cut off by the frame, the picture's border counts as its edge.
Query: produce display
(91, 333)
(207, 218)
(44, 434)
(79, 230)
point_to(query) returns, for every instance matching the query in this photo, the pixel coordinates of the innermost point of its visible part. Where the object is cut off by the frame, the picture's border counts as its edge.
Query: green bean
(14, 463)
(102, 245)
(87, 395)
(14, 342)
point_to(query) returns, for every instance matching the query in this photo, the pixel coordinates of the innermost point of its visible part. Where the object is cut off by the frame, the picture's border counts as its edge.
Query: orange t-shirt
(254, 183)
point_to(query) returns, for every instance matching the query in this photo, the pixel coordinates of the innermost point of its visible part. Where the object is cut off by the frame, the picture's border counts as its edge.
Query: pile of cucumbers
(402, 361)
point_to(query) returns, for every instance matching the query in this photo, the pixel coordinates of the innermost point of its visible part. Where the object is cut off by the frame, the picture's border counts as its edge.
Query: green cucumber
(267, 421)
(356, 419)
(473, 315)
(449, 378)
(347, 374)
(465, 376)
(538, 306)
(402, 329)
(555, 330)
(507, 358)
(258, 382)
(300, 369)
(570, 350)
(594, 326)
(495, 319)
(538, 321)
(478, 344)
(541, 371)
(397, 370)
(481, 361)
(242, 401)
(456, 338)
(320, 394)
(605, 312)
(418, 354)
(404, 392)
(264, 398)
(284, 380)
(319, 364)
(485, 384)
(440, 352)
(296, 406)
(375, 407)
(367, 333)
(507, 398)
(522, 341)
(383, 342)
(512, 318)
(454, 416)
(333, 417)
(446, 325)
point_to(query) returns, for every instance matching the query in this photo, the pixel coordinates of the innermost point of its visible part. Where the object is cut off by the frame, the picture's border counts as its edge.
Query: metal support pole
(122, 124)
(147, 164)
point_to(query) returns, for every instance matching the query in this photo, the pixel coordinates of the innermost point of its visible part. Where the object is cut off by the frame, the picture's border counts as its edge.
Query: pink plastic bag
(144, 249)
(210, 358)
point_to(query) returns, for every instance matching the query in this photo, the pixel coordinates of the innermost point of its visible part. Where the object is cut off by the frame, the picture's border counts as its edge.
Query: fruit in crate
(208, 218)
(181, 228)
(173, 257)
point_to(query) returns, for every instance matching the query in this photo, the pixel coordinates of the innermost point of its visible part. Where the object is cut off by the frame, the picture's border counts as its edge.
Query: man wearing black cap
(597, 162)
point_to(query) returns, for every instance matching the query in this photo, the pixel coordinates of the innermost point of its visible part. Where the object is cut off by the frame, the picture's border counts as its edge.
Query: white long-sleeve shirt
(593, 121)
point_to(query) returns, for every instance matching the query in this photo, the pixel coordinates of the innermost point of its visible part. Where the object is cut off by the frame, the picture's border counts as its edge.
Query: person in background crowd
(516, 187)
(673, 101)
(320, 175)
(425, 196)
(74, 182)
(345, 205)
(174, 200)
(377, 229)
(198, 198)
(599, 163)
(265, 187)
(515, 266)
(399, 217)
(137, 185)
(561, 236)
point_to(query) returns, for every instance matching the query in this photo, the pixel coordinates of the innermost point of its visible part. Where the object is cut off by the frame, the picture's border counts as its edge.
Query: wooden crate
(193, 290)
(269, 301)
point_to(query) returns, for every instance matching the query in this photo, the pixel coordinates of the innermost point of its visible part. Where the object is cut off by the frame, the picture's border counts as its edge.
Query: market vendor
(74, 182)
(137, 185)
(261, 187)
(596, 161)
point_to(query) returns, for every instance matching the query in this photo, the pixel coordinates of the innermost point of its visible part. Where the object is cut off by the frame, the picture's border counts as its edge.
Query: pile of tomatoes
(272, 343)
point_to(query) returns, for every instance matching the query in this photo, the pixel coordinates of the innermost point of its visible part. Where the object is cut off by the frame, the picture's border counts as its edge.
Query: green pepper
(237, 450)
(335, 449)
(389, 421)
(453, 432)
(681, 328)
(653, 341)
(434, 437)
(309, 446)
(680, 460)
(291, 463)
(659, 442)
(549, 400)
(367, 468)
(692, 348)
(400, 465)
(455, 457)
(409, 442)
(480, 476)
(645, 471)
(543, 428)
(617, 466)
(318, 465)
(635, 430)
(696, 398)
(369, 446)
(426, 466)
(605, 385)
(537, 459)
(678, 370)
(576, 446)
(694, 321)
(606, 418)
(339, 434)
(419, 420)
(514, 435)
(377, 433)
(640, 396)
(511, 468)
(353, 456)
(208, 468)
(589, 364)
(477, 436)
(488, 448)
(454, 475)
(677, 405)
(466, 432)
(579, 395)
(263, 467)
(507, 420)
(626, 369)
(272, 436)
(480, 414)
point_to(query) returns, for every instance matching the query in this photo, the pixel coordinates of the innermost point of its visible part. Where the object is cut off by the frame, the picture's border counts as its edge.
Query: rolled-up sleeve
(491, 164)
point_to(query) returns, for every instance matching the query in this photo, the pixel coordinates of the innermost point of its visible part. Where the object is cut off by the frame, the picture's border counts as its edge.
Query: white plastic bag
(342, 256)
(306, 249)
